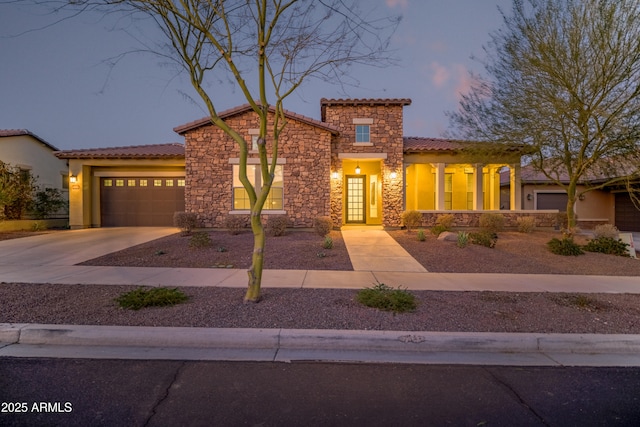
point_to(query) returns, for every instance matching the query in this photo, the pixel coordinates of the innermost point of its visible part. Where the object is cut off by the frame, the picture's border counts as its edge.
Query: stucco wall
(304, 152)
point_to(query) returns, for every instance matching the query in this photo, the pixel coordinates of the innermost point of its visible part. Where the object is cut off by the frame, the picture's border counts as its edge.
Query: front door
(356, 199)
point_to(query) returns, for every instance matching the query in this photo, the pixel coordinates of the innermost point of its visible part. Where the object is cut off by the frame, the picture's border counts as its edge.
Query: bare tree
(564, 78)
(267, 49)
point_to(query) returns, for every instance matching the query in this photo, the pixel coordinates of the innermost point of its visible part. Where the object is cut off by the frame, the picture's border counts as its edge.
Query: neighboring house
(611, 205)
(354, 165)
(30, 153)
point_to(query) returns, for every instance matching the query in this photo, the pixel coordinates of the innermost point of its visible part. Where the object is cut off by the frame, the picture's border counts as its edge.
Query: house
(354, 164)
(610, 205)
(29, 152)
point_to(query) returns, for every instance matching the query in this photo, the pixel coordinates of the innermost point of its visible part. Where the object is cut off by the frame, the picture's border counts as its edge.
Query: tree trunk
(257, 261)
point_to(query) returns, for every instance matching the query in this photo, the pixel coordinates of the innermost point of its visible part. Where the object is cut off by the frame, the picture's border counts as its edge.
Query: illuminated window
(131, 183)
(157, 183)
(119, 182)
(169, 183)
(107, 182)
(181, 183)
(143, 183)
(275, 200)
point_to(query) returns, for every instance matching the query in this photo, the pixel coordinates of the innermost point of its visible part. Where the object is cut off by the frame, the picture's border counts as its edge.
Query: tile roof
(23, 132)
(415, 144)
(246, 107)
(152, 151)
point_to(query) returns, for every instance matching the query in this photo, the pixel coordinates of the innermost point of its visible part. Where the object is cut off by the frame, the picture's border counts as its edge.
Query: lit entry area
(356, 199)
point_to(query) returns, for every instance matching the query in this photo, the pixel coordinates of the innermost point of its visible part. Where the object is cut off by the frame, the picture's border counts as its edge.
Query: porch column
(494, 195)
(515, 188)
(440, 186)
(477, 188)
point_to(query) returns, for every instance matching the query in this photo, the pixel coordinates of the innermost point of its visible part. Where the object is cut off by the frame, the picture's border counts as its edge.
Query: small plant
(185, 221)
(321, 254)
(222, 249)
(236, 223)
(484, 238)
(386, 298)
(606, 230)
(200, 239)
(446, 221)
(323, 225)
(492, 222)
(277, 225)
(437, 229)
(607, 245)
(328, 243)
(160, 252)
(421, 236)
(526, 224)
(566, 247)
(155, 297)
(463, 239)
(411, 219)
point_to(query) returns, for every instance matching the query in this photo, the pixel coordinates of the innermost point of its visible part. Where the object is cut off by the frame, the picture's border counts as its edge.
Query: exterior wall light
(393, 175)
(358, 169)
(529, 197)
(73, 179)
(334, 175)
(581, 197)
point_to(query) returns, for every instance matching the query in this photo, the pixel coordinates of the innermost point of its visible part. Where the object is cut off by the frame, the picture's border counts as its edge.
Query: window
(119, 182)
(275, 200)
(470, 185)
(143, 183)
(448, 191)
(181, 183)
(131, 183)
(362, 134)
(157, 183)
(65, 182)
(254, 142)
(169, 183)
(107, 182)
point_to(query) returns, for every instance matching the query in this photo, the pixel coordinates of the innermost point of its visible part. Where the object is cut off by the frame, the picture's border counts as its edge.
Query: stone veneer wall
(209, 177)
(386, 134)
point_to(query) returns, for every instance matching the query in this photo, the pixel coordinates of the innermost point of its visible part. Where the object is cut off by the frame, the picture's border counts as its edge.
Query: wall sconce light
(393, 175)
(358, 169)
(529, 197)
(73, 179)
(334, 175)
(581, 197)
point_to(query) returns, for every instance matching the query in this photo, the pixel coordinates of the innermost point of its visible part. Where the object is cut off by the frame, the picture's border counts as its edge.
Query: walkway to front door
(372, 249)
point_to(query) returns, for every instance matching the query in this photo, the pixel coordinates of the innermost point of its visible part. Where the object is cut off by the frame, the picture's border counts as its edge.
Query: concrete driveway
(71, 247)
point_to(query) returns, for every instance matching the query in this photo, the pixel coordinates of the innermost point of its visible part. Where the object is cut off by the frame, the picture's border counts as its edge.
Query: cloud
(464, 81)
(402, 4)
(439, 74)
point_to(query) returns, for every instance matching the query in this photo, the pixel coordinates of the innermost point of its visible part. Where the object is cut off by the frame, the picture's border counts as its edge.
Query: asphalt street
(82, 392)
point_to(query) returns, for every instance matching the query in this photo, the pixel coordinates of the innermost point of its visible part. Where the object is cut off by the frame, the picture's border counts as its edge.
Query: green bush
(446, 221)
(421, 236)
(387, 298)
(277, 225)
(607, 245)
(484, 238)
(463, 239)
(526, 224)
(155, 297)
(323, 225)
(328, 243)
(200, 239)
(492, 222)
(437, 229)
(236, 223)
(411, 219)
(566, 247)
(47, 202)
(606, 230)
(185, 221)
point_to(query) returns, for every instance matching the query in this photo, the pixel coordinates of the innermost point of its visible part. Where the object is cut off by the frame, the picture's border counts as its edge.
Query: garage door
(149, 201)
(552, 201)
(627, 215)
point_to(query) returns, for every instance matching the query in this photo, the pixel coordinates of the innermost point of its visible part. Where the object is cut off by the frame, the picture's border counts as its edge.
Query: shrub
(446, 221)
(491, 222)
(607, 245)
(566, 247)
(155, 297)
(328, 243)
(323, 225)
(47, 202)
(421, 236)
(185, 221)
(387, 298)
(437, 229)
(463, 239)
(411, 219)
(200, 239)
(236, 223)
(484, 238)
(526, 224)
(277, 225)
(606, 230)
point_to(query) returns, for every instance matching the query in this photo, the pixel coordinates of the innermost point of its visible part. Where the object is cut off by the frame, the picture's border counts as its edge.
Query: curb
(315, 339)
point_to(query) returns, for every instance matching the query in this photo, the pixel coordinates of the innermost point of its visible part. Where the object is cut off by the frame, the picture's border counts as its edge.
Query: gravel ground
(337, 308)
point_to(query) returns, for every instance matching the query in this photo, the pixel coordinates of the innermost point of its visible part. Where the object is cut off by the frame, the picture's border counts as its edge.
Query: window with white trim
(275, 200)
